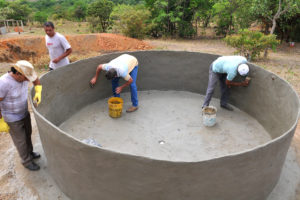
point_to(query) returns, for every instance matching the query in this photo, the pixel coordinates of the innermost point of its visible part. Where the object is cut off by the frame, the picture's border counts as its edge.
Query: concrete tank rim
(261, 146)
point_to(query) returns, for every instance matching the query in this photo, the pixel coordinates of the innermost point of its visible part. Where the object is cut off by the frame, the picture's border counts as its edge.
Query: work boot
(132, 109)
(35, 155)
(32, 166)
(227, 107)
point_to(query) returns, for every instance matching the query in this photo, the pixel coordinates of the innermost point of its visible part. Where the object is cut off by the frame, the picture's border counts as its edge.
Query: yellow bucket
(115, 107)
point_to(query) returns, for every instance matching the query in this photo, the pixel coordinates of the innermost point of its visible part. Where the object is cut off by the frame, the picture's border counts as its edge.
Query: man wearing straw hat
(14, 109)
(125, 66)
(225, 69)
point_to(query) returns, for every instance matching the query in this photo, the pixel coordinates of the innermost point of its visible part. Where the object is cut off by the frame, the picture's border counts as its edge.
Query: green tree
(5, 12)
(269, 11)
(3, 3)
(100, 10)
(40, 17)
(231, 15)
(204, 13)
(173, 17)
(132, 21)
(288, 28)
(79, 10)
(21, 11)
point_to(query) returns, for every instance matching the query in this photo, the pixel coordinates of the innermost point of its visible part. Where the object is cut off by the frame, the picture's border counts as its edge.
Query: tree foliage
(100, 10)
(40, 17)
(269, 11)
(132, 21)
(175, 18)
(230, 15)
(288, 28)
(251, 43)
(17, 10)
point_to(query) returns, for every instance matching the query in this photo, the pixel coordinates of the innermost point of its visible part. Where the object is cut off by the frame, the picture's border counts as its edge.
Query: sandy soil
(19, 183)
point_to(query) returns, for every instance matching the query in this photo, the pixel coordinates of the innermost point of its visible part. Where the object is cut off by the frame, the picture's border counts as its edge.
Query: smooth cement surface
(167, 126)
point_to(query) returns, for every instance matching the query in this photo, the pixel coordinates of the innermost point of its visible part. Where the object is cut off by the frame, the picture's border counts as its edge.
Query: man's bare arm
(62, 56)
(94, 79)
(119, 89)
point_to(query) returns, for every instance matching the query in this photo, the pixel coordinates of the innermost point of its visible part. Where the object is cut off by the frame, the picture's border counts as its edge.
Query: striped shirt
(14, 105)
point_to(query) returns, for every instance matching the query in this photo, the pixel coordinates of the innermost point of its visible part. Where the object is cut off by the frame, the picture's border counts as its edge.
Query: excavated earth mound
(31, 48)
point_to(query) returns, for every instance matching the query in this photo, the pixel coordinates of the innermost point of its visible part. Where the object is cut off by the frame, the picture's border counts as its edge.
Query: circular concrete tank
(87, 172)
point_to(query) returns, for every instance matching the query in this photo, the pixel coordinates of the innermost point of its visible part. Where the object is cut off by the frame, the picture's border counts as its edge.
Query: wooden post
(18, 27)
(22, 25)
(13, 25)
(7, 25)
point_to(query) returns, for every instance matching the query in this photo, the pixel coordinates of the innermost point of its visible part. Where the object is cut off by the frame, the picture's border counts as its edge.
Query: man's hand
(38, 94)
(246, 82)
(93, 82)
(118, 90)
(56, 60)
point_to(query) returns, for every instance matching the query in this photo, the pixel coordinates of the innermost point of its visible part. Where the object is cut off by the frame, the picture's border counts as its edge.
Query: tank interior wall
(85, 172)
(164, 70)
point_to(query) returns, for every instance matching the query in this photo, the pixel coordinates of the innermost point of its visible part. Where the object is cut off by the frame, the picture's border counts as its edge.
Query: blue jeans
(133, 87)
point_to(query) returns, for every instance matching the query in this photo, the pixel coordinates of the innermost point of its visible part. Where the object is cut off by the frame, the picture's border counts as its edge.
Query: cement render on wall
(85, 172)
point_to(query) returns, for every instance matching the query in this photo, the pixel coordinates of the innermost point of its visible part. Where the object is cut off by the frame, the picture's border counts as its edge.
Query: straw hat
(26, 68)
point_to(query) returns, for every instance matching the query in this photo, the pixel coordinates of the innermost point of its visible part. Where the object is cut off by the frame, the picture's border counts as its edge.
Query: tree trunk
(271, 32)
(273, 25)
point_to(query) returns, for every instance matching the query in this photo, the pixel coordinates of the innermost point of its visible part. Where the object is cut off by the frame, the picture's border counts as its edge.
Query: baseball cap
(243, 69)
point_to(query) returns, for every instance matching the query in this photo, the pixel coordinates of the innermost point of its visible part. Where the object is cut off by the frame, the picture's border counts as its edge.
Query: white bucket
(209, 115)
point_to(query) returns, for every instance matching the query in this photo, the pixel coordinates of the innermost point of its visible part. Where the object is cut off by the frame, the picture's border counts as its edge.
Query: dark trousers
(212, 81)
(20, 132)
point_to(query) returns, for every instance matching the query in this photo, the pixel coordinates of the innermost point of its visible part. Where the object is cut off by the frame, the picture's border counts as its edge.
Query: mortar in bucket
(209, 115)
(115, 107)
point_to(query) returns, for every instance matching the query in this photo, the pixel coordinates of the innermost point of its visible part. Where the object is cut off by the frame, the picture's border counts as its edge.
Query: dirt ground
(17, 182)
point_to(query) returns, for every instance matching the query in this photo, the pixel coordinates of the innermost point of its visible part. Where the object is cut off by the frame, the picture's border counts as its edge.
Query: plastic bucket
(209, 115)
(115, 107)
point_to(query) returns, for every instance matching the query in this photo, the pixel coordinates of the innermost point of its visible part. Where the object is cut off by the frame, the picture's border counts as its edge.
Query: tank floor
(167, 126)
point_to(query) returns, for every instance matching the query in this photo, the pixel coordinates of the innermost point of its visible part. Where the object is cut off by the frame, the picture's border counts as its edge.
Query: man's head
(23, 71)
(243, 69)
(111, 73)
(49, 29)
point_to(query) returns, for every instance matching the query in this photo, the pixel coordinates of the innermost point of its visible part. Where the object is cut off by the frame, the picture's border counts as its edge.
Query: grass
(61, 26)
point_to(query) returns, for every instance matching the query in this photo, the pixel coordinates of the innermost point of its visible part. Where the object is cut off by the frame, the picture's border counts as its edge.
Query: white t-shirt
(123, 64)
(57, 45)
(14, 105)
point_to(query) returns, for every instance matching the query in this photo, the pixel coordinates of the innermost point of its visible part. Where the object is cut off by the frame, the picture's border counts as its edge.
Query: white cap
(243, 69)
(26, 68)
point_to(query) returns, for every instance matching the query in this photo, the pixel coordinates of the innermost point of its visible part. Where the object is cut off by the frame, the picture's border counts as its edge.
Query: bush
(131, 20)
(251, 43)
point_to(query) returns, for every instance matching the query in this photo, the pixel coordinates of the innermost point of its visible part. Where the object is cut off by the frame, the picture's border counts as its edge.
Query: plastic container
(115, 107)
(209, 116)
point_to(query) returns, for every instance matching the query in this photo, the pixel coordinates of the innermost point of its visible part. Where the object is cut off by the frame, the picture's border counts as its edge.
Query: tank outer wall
(85, 172)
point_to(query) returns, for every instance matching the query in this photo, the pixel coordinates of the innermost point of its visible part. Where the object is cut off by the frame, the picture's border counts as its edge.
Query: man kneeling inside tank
(225, 69)
(125, 66)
